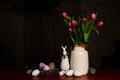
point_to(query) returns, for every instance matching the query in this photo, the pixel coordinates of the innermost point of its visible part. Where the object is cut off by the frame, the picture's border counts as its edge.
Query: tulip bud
(70, 29)
(64, 14)
(93, 16)
(70, 24)
(74, 22)
(100, 23)
(84, 19)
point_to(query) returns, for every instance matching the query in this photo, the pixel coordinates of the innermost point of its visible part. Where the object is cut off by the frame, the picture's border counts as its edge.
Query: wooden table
(103, 74)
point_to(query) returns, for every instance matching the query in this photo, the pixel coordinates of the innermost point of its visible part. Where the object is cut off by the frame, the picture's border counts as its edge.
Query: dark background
(32, 31)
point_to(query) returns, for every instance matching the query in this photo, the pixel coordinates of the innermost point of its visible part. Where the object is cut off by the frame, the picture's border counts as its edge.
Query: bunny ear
(62, 47)
(65, 46)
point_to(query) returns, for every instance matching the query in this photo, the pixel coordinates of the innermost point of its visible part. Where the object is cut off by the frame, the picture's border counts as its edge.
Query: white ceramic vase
(79, 60)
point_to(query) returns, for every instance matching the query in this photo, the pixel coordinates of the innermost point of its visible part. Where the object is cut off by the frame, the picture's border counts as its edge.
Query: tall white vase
(79, 60)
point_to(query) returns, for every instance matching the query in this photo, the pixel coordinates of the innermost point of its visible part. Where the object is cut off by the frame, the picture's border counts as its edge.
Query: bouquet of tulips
(80, 28)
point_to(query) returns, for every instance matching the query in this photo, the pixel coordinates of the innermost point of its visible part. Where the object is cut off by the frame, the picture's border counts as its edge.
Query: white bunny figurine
(64, 62)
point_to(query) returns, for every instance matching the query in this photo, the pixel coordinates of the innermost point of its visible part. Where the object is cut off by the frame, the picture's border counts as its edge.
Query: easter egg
(35, 72)
(29, 71)
(69, 72)
(61, 73)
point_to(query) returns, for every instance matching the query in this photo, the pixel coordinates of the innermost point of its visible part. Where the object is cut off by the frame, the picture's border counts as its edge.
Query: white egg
(69, 72)
(61, 73)
(77, 73)
(35, 72)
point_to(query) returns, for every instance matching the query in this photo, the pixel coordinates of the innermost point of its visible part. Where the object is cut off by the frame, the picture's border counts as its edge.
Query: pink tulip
(93, 16)
(84, 19)
(74, 22)
(100, 23)
(70, 29)
(64, 14)
(70, 24)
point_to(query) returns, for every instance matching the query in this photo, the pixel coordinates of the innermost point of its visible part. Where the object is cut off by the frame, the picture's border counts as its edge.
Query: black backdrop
(32, 31)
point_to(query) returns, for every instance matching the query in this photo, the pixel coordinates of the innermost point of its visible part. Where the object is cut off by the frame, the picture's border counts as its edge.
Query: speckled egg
(61, 73)
(35, 72)
(92, 70)
(69, 72)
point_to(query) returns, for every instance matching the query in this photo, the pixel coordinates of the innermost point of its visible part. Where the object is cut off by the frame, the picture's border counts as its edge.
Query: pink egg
(41, 65)
(46, 68)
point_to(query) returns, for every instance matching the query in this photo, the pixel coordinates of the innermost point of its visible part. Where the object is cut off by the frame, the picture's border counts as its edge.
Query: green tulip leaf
(86, 36)
(65, 20)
